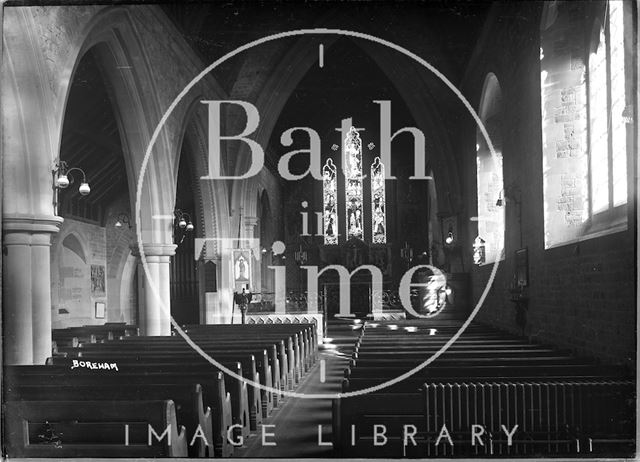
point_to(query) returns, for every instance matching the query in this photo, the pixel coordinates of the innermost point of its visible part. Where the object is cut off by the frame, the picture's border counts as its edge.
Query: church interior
(320, 230)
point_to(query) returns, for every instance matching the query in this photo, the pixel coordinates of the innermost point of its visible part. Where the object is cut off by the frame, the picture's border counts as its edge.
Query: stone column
(26, 301)
(154, 287)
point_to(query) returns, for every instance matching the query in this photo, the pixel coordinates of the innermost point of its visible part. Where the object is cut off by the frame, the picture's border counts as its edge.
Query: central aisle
(295, 423)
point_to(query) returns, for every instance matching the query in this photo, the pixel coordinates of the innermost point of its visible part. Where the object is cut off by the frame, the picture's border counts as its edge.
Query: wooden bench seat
(293, 350)
(468, 361)
(488, 371)
(56, 429)
(241, 406)
(72, 336)
(306, 334)
(434, 371)
(415, 383)
(246, 399)
(393, 410)
(277, 355)
(304, 350)
(212, 382)
(190, 410)
(421, 355)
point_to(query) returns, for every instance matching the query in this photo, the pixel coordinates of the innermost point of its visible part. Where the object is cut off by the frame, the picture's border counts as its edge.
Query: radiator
(553, 417)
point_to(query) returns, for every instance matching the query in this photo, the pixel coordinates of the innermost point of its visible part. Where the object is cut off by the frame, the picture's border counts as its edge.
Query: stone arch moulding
(290, 72)
(71, 230)
(212, 194)
(125, 60)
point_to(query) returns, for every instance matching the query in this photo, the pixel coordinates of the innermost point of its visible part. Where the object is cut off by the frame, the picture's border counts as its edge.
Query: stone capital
(251, 222)
(30, 229)
(154, 250)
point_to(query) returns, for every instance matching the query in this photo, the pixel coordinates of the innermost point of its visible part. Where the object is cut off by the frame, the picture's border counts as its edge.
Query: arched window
(606, 104)
(585, 82)
(489, 171)
(353, 185)
(354, 195)
(330, 200)
(378, 203)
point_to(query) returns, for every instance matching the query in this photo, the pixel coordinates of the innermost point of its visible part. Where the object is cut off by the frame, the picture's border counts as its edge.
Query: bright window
(584, 133)
(607, 128)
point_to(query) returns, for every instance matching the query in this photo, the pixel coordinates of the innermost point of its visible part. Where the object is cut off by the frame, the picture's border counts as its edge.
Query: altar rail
(302, 318)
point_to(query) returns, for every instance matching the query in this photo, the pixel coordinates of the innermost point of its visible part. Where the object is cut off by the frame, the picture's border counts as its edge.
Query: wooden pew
(293, 347)
(238, 391)
(91, 429)
(256, 362)
(306, 332)
(268, 363)
(275, 353)
(190, 410)
(72, 336)
(289, 362)
(298, 350)
(245, 399)
(480, 354)
(212, 383)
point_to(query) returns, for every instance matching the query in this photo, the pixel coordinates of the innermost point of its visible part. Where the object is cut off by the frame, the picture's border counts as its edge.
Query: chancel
(320, 230)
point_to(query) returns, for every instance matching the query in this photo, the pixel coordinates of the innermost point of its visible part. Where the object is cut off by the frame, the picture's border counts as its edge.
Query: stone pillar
(26, 301)
(154, 287)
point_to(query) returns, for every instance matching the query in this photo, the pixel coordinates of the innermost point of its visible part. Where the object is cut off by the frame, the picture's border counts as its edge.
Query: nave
(518, 398)
(318, 195)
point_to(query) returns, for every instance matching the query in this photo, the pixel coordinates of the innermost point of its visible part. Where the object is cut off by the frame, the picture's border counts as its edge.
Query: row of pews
(142, 396)
(73, 336)
(468, 401)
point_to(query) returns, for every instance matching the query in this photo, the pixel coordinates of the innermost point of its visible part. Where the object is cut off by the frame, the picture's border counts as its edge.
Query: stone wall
(582, 293)
(79, 274)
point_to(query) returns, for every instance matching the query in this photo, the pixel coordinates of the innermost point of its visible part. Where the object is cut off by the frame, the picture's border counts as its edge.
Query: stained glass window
(330, 197)
(354, 198)
(353, 184)
(378, 210)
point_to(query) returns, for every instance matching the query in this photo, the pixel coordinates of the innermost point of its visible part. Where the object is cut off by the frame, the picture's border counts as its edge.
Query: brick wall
(582, 295)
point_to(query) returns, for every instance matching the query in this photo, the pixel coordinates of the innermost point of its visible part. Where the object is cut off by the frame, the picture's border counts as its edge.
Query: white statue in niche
(241, 268)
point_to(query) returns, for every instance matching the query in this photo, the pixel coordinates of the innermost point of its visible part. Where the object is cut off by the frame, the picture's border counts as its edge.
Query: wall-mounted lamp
(509, 193)
(450, 238)
(123, 219)
(62, 177)
(182, 221)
